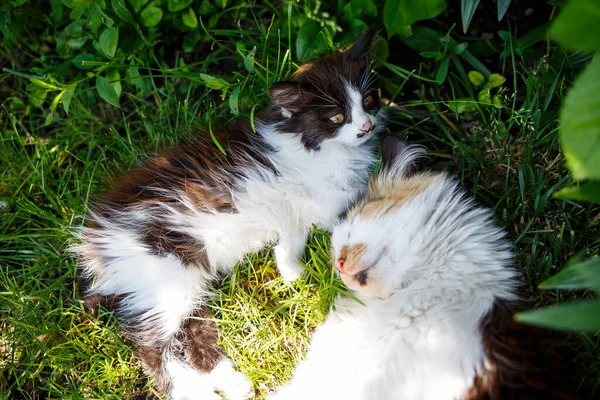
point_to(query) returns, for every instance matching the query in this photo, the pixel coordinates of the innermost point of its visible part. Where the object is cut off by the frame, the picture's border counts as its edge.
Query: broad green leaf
(178, 5)
(109, 39)
(189, 18)
(485, 96)
(114, 78)
(431, 54)
(106, 91)
(121, 10)
(467, 9)
(151, 16)
(66, 99)
(442, 71)
(399, 15)
(78, 60)
(502, 7)
(38, 97)
(582, 275)
(580, 124)
(94, 20)
(214, 82)
(312, 40)
(476, 78)
(496, 80)
(586, 191)
(580, 316)
(206, 8)
(577, 27)
(49, 119)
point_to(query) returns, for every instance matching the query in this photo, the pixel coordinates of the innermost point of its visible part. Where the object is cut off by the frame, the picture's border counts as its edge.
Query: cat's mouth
(362, 275)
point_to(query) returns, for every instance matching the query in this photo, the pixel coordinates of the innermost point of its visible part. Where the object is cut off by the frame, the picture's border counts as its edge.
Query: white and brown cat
(435, 286)
(156, 241)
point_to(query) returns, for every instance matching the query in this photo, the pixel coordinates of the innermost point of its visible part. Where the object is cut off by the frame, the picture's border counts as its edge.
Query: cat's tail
(400, 159)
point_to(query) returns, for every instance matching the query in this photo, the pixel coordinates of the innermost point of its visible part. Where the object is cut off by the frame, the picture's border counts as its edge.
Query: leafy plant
(577, 28)
(485, 96)
(468, 7)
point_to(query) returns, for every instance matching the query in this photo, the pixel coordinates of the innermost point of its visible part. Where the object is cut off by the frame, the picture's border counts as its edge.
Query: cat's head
(333, 98)
(413, 225)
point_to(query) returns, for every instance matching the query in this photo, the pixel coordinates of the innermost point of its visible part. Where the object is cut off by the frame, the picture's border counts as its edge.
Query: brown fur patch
(383, 196)
(523, 362)
(202, 336)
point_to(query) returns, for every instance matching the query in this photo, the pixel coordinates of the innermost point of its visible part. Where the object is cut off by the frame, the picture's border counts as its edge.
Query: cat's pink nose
(366, 127)
(340, 264)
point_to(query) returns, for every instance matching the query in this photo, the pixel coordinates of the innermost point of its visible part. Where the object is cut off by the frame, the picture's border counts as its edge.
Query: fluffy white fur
(437, 264)
(311, 187)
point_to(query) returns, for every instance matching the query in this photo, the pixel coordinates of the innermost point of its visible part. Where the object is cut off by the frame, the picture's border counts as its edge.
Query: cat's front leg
(288, 252)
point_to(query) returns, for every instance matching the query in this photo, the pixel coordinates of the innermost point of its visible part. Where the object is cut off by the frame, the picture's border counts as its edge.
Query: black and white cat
(155, 241)
(436, 290)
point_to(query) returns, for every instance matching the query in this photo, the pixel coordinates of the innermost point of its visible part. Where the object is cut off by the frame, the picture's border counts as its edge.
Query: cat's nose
(339, 265)
(366, 127)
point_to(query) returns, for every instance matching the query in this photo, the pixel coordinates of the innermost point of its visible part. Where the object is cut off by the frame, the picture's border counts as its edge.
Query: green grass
(50, 348)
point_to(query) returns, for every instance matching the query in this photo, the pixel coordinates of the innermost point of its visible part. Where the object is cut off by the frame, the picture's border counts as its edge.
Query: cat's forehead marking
(384, 198)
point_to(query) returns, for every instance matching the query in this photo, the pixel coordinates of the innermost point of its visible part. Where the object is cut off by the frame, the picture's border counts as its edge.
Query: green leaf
(431, 54)
(249, 60)
(442, 72)
(134, 76)
(586, 191)
(114, 78)
(109, 39)
(106, 91)
(214, 82)
(485, 96)
(363, 7)
(462, 105)
(137, 5)
(467, 10)
(502, 7)
(580, 316)
(582, 275)
(94, 20)
(206, 8)
(476, 78)
(312, 40)
(49, 119)
(45, 85)
(399, 15)
(151, 16)
(221, 3)
(460, 48)
(189, 18)
(38, 97)
(577, 27)
(496, 80)
(78, 60)
(580, 124)
(56, 100)
(178, 5)
(121, 10)
(66, 99)
(234, 101)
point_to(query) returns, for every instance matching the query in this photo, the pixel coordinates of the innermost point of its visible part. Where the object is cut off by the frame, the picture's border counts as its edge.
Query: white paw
(238, 388)
(290, 271)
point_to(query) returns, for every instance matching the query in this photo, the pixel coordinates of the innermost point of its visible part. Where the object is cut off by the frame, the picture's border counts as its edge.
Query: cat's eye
(368, 101)
(337, 118)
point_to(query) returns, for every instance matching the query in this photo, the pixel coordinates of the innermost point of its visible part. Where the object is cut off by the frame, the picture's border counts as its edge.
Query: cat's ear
(287, 97)
(362, 49)
(399, 158)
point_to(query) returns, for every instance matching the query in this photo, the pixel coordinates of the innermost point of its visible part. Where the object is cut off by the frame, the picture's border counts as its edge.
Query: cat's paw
(238, 388)
(290, 271)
